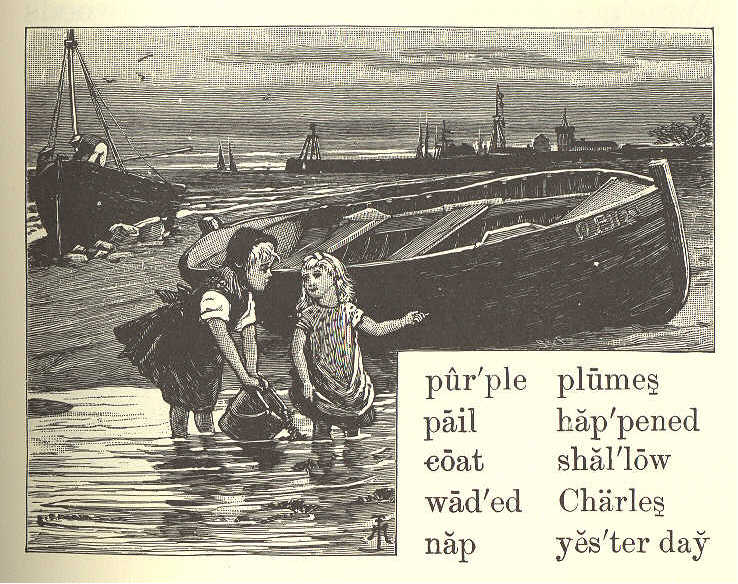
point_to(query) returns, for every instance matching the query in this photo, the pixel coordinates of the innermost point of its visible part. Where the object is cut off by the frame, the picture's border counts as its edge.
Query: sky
(342, 56)
(370, 86)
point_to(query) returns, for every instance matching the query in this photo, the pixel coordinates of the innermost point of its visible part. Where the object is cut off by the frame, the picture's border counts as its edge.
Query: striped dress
(344, 391)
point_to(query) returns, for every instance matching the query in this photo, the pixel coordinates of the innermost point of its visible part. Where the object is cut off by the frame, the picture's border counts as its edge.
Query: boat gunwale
(647, 190)
(284, 215)
(623, 173)
(35, 175)
(519, 177)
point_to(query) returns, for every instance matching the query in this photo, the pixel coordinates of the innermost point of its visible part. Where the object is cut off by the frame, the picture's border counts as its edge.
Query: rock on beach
(116, 256)
(123, 234)
(75, 258)
(151, 229)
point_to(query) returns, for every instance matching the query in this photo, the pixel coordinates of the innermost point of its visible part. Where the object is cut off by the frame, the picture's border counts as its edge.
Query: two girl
(332, 387)
(182, 346)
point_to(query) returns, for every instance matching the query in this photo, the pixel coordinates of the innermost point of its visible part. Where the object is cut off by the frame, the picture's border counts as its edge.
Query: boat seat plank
(343, 235)
(545, 204)
(439, 231)
(407, 223)
(310, 238)
(497, 235)
(611, 192)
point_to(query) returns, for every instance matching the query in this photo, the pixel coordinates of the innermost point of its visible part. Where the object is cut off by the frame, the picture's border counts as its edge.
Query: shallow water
(121, 485)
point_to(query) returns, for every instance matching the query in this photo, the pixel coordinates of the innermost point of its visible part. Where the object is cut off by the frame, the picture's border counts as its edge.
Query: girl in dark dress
(181, 347)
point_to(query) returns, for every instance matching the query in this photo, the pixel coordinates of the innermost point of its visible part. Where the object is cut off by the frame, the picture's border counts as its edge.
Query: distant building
(564, 134)
(541, 144)
(566, 141)
(594, 145)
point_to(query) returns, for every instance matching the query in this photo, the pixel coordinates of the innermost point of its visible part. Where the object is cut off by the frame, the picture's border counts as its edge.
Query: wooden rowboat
(496, 262)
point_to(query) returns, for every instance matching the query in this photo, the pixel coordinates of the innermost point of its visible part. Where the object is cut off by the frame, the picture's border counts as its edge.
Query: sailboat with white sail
(221, 165)
(231, 161)
(221, 159)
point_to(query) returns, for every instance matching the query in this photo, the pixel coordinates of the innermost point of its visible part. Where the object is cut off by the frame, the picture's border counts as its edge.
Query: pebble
(115, 257)
(75, 258)
(106, 245)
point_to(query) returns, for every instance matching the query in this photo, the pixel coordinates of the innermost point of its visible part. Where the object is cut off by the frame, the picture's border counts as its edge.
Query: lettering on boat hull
(607, 222)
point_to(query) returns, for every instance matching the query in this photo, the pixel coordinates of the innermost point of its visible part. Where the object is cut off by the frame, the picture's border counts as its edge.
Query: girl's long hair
(344, 285)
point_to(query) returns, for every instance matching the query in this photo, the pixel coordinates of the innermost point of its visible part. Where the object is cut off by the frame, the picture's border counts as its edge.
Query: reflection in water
(142, 492)
(266, 454)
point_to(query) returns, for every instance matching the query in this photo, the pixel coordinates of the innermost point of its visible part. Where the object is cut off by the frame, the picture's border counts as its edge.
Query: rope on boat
(97, 95)
(98, 110)
(54, 129)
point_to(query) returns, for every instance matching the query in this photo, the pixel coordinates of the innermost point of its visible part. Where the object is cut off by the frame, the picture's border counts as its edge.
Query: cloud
(295, 55)
(490, 58)
(301, 56)
(412, 59)
(669, 53)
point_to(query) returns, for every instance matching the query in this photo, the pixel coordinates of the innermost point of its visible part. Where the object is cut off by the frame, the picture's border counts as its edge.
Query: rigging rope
(98, 111)
(54, 129)
(96, 94)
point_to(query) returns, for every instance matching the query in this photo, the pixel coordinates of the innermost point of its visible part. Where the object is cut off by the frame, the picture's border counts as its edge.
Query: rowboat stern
(661, 174)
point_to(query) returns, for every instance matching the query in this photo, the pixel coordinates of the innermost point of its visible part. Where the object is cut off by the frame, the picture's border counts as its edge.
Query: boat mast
(498, 128)
(419, 148)
(70, 44)
(426, 135)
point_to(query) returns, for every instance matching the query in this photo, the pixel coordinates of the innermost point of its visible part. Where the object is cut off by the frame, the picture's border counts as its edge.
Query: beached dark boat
(78, 198)
(495, 262)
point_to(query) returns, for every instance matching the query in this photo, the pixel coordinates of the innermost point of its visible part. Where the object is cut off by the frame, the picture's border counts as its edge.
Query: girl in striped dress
(332, 387)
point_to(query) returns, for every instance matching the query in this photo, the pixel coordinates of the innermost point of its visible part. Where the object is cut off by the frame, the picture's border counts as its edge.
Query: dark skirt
(177, 354)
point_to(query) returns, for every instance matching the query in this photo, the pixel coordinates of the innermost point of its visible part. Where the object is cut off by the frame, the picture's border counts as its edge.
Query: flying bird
(146, 56)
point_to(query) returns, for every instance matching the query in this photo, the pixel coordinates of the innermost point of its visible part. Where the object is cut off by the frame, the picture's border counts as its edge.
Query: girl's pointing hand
(415, 317)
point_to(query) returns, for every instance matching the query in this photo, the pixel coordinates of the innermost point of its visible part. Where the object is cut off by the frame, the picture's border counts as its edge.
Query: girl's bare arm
(299, 340)
(228, 349)
(249, 349)
(378, 329)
